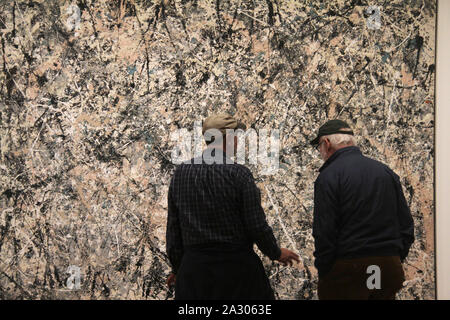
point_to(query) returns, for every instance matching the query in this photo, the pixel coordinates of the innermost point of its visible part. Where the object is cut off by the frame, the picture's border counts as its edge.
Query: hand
(287, 257)
(171, 280)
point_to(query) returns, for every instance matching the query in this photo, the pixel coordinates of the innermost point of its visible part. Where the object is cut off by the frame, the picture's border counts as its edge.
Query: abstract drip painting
(91, 91)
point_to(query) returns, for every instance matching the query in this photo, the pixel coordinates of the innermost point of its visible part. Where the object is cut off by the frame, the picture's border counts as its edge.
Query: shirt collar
(338, 153)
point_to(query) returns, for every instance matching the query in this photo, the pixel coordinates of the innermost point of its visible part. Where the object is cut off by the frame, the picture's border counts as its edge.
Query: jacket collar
(339, 153)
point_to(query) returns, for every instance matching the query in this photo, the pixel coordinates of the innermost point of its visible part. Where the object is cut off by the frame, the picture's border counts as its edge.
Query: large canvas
(91, 91)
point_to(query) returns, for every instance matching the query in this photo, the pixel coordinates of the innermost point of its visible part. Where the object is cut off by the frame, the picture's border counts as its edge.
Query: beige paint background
(443, 151)
(87, 111)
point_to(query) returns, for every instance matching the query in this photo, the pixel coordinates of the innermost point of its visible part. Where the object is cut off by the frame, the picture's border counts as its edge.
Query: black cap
(332, 127)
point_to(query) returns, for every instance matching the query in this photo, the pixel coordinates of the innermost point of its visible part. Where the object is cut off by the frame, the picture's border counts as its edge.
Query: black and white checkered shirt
(215, 203)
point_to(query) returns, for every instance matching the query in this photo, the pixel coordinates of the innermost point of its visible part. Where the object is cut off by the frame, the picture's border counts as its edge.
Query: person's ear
(327, 144)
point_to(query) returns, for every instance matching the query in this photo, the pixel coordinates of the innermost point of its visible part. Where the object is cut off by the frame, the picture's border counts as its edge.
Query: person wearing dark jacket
(362, 225)
(214, 218)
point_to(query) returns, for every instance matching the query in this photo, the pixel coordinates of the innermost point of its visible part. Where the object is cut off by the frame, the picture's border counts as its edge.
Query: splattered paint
(90, 91)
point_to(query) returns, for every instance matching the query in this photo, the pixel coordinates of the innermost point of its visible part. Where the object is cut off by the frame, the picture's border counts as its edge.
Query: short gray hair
(339, 139)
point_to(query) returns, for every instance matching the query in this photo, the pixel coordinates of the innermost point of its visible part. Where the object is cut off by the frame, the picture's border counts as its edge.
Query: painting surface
(90, 92)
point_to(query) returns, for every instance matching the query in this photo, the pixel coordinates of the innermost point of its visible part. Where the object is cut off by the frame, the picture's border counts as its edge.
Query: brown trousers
(347, 279)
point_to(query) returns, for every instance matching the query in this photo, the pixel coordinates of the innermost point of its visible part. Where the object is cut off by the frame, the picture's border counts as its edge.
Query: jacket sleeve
(174, 243)
(254, 219)
(405, 219)
(325, 225)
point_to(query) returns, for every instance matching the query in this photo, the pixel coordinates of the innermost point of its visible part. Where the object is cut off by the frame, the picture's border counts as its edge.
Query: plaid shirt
(215, 203)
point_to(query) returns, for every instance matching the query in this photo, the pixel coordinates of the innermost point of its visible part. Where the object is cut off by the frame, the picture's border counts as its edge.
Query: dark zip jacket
(359, 210)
